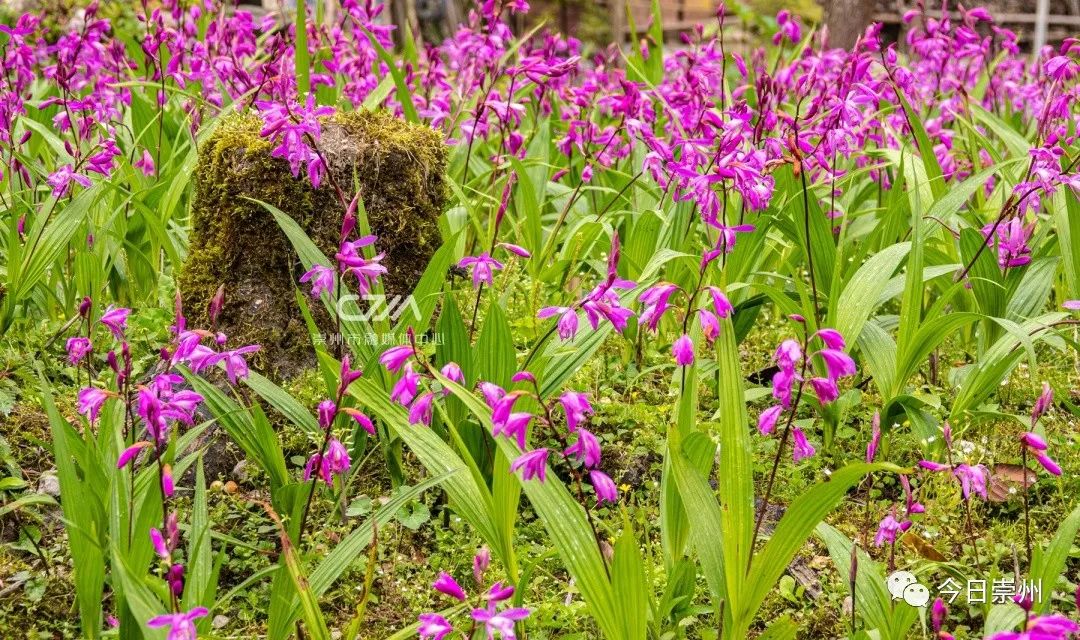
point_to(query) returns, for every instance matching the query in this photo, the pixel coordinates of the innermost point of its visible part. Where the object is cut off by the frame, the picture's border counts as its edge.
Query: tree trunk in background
(847, 19)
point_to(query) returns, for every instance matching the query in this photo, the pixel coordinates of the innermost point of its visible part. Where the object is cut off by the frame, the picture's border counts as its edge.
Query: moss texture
(399, 170)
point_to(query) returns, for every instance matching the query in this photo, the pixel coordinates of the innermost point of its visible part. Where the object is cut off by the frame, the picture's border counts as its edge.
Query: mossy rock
(398, 167)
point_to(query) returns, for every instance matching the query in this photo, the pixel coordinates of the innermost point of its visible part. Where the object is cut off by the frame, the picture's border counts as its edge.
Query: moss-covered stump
(237, 243)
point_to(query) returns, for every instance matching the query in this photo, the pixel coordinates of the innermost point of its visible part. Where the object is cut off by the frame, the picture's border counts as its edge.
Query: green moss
(397, 167)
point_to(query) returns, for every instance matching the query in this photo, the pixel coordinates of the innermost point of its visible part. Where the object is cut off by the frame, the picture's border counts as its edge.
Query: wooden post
(617, 9)
(847, 19)
(1042, 16)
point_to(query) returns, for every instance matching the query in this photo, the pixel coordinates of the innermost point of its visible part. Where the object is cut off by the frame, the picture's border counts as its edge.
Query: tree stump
(235, 242)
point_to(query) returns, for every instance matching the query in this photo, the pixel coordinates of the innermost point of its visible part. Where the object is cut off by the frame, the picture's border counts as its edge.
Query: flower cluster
(332, 459)
(794, 362)
(602, 303)
(582, 455)
(972, 478)
(488, 612)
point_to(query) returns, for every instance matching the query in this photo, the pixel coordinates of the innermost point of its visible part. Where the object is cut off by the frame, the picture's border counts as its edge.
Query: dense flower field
(694, 319)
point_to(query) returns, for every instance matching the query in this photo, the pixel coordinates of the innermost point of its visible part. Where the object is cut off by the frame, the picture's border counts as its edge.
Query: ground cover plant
(634, 342)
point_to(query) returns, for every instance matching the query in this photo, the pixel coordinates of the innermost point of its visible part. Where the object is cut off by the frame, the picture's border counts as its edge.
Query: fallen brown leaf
(919, 545)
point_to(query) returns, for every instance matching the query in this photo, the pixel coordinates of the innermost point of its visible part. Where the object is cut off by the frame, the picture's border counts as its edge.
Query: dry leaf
(1005, 479)
(920, 546)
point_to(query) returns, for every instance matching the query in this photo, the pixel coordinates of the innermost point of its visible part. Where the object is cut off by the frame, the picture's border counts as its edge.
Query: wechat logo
(904, 586)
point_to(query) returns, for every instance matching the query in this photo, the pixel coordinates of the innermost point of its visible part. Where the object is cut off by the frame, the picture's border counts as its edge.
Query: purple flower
(710, 325)
(295, 127)
(181, 625)
(129, 454)
(167, 485)
(91, 400)
(235, 364)
(831, 338)
(523, 376)
(334, 462)
(115, 318)
(348, 375)
(1050, 627)
(480, 563)
(521, 252)
(655, 299)
(802, 448)
(492, 393)
(365, 422)
(586, 449)
(145, 163)
(433, 627)
(568, 320)
(394, 357)
(938, 613)
(788, 354)
(1011, 241)
(404, 390)
(875, 438)
(889, 528)
(683, 350)
(788, 28)
(61, 179)
(721, 304)
(500, 623)
(446, 584)
(453, 373)
(577, 408)
(77, 348)
(1042, 404)
(767, 419)
(1071, 305)
(161, 548)
(837, 363)
(972, 479)
(501, 408)
(515, 426)
(604, 487)
(825, 389)
(421, 411)
(913, 507)
(321, 278)
(482, 267)
(1037, 447)
(326, 411)
(532, 465)
(366, 270)
(499, 592)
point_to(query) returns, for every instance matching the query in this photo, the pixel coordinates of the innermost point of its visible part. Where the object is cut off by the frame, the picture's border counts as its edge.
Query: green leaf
(137, 597)
(798, 522)
(1049, 564)
(629, 583)
(198, 587)
(1066, 216)
(351, 547)
(926, 149)
(566, 524)
(988, 371)
(706, 523)
(737, 489)
(874, 603)
(404, 95)
(249, 429)
(861, 294)
(302, 60)
(84, 519)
